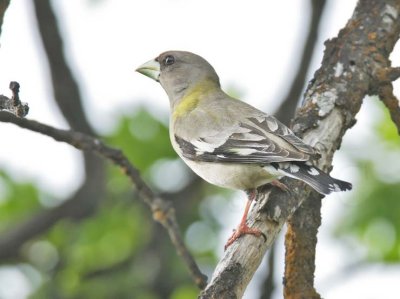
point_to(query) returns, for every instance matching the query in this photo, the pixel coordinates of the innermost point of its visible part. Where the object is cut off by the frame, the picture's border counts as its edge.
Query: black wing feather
(261, 140)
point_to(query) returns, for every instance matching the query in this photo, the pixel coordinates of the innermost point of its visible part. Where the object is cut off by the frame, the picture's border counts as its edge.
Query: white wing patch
(203, 147)
(243, 151)
(334, 187)
(272, 125)
(313, 171)
(294, 168)
(260, 118)
(277, 173)
(252, 137)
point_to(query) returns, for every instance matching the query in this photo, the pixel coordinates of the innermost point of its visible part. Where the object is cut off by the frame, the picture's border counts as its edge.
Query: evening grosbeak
(226, 141)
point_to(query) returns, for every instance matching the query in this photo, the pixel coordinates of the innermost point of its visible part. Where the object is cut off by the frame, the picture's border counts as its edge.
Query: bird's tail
(316, 178)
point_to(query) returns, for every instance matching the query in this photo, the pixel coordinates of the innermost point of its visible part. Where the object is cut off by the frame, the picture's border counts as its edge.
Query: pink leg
(280, 185)
(243, 228)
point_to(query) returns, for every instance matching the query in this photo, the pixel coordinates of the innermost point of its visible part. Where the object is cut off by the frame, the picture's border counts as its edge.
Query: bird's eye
(169, 60)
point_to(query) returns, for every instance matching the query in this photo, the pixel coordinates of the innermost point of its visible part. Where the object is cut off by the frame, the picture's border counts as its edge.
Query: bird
(228, 142)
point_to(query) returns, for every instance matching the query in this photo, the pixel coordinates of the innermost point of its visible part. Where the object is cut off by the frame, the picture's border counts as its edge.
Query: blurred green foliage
(374, 219)
(119, 252)
(18, 200)
(143, 139)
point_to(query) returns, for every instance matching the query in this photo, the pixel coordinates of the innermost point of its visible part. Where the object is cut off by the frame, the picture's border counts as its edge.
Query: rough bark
(285, 113)
(385, 92)
(348, 73)
(300, 243)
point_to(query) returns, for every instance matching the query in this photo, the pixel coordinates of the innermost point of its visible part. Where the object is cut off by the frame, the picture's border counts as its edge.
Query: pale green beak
(150, 69)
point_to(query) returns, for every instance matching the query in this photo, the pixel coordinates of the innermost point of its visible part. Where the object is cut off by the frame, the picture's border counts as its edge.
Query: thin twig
(14, 104)
(163, 212)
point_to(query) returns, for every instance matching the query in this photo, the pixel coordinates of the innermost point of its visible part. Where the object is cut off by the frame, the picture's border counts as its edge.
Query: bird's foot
(280, 185)
(244, 229)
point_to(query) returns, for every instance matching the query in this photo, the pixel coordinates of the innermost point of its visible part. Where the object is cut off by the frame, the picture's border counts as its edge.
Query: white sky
(254, 47)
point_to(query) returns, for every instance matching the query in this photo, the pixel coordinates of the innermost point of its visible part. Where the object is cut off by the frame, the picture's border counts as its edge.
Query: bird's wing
(261, 140)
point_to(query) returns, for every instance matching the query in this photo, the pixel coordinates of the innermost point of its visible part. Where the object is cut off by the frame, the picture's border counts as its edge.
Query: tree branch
(268, 285)
(65, 87)
(300, 244)
(333, 98)
(295, 252)
(392, 104)
(3, 7)
(385, 91)
(67, 96)
(162, 210)
(14, 104)
(287, 108)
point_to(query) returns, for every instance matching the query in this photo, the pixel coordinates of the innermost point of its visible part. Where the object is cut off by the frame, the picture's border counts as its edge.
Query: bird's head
(179, 72)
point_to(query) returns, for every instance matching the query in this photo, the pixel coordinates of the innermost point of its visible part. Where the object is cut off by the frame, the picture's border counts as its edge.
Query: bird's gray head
(179, 72)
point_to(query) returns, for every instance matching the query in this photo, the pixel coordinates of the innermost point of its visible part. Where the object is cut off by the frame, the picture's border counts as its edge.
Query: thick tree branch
(300, 243)
(299, 254)
(385, 91)
(392, 103)
(162, 210)
(333, 98)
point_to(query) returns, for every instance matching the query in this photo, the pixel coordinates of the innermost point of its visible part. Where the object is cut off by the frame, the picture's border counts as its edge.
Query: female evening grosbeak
(226, 141)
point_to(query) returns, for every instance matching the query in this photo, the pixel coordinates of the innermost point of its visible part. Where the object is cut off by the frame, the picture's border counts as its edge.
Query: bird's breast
(231, 175)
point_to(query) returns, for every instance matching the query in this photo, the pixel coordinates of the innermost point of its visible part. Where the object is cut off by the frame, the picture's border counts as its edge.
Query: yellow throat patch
(192, 98)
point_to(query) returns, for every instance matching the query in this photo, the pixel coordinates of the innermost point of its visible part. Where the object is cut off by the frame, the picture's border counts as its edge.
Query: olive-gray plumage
(227, 142)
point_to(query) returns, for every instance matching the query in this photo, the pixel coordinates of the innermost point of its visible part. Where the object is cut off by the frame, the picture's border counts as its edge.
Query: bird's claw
(280, 185)
(244, 230)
